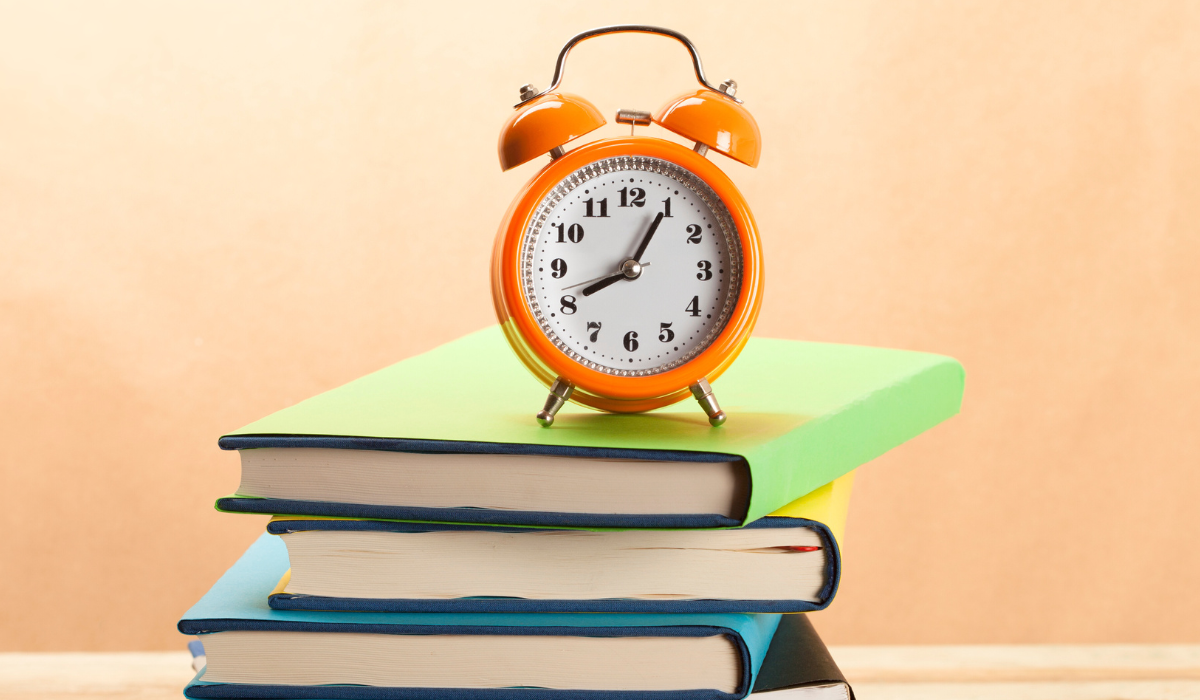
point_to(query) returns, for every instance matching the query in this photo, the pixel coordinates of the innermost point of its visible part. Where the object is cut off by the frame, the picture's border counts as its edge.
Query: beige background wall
(210, 211)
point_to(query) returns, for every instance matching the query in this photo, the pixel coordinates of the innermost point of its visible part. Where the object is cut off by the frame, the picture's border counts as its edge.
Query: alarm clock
(627, 274)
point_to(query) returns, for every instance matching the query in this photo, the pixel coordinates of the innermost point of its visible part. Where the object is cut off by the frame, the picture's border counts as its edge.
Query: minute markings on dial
(660, 299)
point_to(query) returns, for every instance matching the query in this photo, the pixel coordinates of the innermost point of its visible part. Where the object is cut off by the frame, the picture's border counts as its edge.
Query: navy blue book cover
(290, 601)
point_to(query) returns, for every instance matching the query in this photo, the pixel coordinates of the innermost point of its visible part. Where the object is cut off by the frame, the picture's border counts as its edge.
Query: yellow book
(828, 504)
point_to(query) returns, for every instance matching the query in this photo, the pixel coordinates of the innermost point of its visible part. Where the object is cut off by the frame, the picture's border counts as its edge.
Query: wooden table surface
(1091, 672)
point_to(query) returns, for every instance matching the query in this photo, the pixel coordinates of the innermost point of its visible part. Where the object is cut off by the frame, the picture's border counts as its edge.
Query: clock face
(631, 266)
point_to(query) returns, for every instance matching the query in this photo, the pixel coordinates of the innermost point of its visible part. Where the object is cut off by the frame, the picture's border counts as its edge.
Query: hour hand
(602, 277)
(605, 282)
(630, 270)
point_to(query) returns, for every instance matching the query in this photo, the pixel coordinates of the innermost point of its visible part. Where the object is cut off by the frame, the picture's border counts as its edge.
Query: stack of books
(430, 540)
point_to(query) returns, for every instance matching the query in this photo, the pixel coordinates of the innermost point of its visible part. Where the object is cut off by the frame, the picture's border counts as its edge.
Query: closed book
(798, 666)
(255, 652)
(786, 562)
(449, 436)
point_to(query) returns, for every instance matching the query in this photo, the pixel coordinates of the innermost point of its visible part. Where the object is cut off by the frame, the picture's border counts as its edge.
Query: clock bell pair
(627, 274)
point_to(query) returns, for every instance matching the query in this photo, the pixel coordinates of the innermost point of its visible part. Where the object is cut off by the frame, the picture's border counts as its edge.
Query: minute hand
(646, 239)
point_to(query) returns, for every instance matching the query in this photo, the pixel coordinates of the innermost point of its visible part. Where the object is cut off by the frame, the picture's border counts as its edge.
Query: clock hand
(606, 282)
(597, 279)
(630, 270)
(649, 234)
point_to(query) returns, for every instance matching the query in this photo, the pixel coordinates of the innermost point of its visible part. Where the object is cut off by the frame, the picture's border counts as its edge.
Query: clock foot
(560, 391)
(704, 394)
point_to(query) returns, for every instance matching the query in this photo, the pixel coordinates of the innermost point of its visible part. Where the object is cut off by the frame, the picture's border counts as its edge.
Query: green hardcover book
(449, 436)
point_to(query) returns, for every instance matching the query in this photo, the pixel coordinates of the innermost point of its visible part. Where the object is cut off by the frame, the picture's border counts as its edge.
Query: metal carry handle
(560, 66)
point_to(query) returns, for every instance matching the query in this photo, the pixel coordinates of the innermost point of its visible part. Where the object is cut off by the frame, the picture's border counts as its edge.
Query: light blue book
(254, 651)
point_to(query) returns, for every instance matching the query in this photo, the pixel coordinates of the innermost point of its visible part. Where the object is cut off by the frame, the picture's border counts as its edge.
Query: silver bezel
(600, 168)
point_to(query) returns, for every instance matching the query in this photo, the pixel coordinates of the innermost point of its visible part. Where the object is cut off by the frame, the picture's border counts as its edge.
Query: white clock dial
(632, 265)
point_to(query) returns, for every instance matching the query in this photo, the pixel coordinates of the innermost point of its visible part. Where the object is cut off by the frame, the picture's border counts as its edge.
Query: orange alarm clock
(628, 272)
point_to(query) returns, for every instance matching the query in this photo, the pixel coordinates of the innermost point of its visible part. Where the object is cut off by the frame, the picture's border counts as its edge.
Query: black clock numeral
(694, 233)
(667, 208)
(638, 197)
(568, 304)
(594, 328)
(630, 342)
(665, 334)
(558, 268)
(587, 203)
(693, 308)
(705, 272)
(573, 234)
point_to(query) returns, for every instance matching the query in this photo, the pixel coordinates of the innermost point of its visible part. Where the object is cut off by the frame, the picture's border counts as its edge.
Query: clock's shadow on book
(677, 424)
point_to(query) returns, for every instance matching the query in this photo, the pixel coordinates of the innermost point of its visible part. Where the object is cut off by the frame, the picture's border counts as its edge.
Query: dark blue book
(773, 565)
